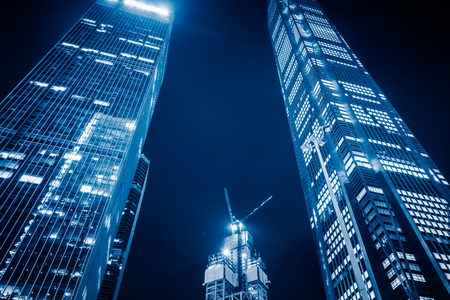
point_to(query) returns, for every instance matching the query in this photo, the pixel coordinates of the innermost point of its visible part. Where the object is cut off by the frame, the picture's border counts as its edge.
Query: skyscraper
(377, 203)
(71, 135)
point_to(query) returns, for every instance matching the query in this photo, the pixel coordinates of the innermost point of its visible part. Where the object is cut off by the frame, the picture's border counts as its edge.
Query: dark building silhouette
(122, 242)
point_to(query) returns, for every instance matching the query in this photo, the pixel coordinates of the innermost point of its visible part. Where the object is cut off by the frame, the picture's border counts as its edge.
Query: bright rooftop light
(147, 7)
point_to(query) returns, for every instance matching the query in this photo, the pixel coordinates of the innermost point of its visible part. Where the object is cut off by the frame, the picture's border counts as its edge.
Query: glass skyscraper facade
(71, 135)
(381, 191)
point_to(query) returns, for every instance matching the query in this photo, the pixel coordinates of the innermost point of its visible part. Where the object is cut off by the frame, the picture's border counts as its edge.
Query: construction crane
(236, 227)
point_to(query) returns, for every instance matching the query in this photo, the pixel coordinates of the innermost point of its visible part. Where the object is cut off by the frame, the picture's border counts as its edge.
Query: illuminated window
(31, 179)
(104, 62)
(146, 59)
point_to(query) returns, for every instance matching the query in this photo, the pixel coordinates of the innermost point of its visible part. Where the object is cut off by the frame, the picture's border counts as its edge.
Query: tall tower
(377, 203)
(224, 280)
(71, 135)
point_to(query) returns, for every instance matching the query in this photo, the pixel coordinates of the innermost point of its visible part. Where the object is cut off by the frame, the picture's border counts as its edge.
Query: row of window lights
(372, 189)
(302, 114)
(365, 99)
(357, 89)
(291, 73)
(140, 44)
(430, 212)
(426, 227)
(332, 85)
(383, 118)
(318, 62)
(343, 111)
(336, 54)
(335, 244)
(316, 19)
(113, 55)
(12, 155)
(324, 32)
(362, 116)
(397, 281)
(341, 63)
(332, 46)
(437, 174)
(405, 169)
(55, 88)
(385, 144)
(295, 88)
(420, 196)
(279, 39)
(443, 261)
(324, 197)
(304, 127)
(284, 52)
(350, 296)
(436, 209)
(277, 26)
(310, 9)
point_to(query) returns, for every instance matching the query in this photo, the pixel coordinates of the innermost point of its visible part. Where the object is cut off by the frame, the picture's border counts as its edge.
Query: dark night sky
(220, 122)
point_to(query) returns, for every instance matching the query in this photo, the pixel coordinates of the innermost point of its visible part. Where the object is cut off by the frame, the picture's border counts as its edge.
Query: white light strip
(76, 97)
(104, 62)
(128, 55)
(156, 38)
(12, 155)
(59, 88)
(86, 189)
(130, 125)
(146, 7)
(39, 83)
(89, 50)
(146, 59)
(150, 46)
(133, 42)
(107, 54)
(31, 179)
(5, 174)
(103, 103)
(70, 45)
(72, 156)
(143, 72)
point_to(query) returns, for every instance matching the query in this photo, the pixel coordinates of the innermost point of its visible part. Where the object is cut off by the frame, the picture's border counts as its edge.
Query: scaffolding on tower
(236, 274)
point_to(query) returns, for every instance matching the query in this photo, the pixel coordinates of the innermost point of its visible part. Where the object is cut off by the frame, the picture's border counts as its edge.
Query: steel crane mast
(235, 273)
(236, 226)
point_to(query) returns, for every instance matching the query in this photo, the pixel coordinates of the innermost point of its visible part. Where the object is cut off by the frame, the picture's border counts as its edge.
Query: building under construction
(236, 274)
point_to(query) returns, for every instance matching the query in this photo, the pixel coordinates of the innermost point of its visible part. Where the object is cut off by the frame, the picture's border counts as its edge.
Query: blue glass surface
(70, 139)
(392, 197)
